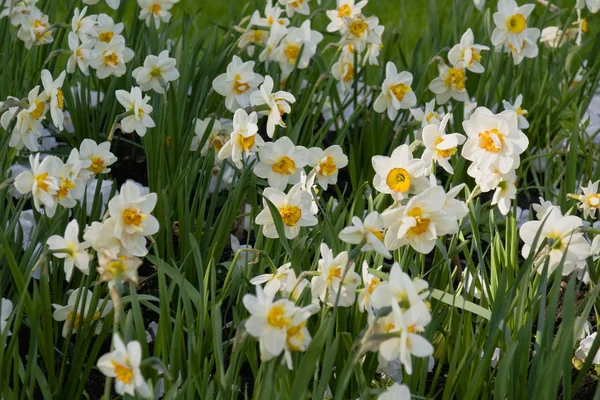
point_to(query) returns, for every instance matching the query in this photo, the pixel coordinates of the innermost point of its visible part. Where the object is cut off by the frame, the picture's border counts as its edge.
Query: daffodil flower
(69, 248)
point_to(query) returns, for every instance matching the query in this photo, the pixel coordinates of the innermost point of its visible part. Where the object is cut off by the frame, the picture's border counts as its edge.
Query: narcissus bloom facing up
(590, 199)
(35, 29)
(511, 23)
(41, 183)
(110, 58)
(98, 154)
(396, 92)
(528, 47)
(327, 163)
(281, 163)
(439, 146)
(278, 103)
(139, 119)
(297, 48)
(123, 364)
(335, 272)
(69, 248)
(295, 6)
(244, 140)
(449, 84)
(155, 10)
(467, 54)
(77, 312)
(344, 9)
(295, 210)
(370, 232)
(429, 116)
(399, 174)
(156, 73)
(237, 84)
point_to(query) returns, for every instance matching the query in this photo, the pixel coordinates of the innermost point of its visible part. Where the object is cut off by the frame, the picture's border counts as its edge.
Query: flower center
(431, 115)
(155, 8)
(516, 24)
(422, 223)
(117, 267)
(290, 215)
(122, 373)
(284, 166)
(65, 186)
(246, 143)
(344, 11)
(400, 90)
(111, 59)
(398, 180)
(297, 333)
(239, 87)
(358, 27)
(276, 316)
(491, 140)
(291, 52)
(257, 36)
(594, 200)
(443, 153)
(106, 36)
(79, 320)
(349, 75)
(97, 165)
(133, 216)
(327, 167)
(41, 181)
(60, 99)
(455, 78)
(378, 233)
(156, 72)
(374, 282)
(334, 273)
(39, 110)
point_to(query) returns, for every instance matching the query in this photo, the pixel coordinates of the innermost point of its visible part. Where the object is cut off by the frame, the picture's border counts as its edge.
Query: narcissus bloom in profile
(281, 163)
(269, 321)
(297, 335)
(562, 241)
(77, 312)
(528, 47)
(35, 29)
(343, 70)
(218, 136)
(511, 23)
(131, 213)
(449, 84)
(428, 116)
(106, 29)
(156, 73)
(237, 84)
(274, 282)
(123, 364)
(408, 342)
(139, 119)
(53, 89)
(69, 248)
(110, 58)
(590, 199)
(420, 222)
(370, 232)
(396, 392)
(337, 278)
(396, 92)
(116, 268)
(71, 184)
(439, 146)
(516, 107)
(41, 183)
(327, 164)
(98, 154)
(244, 139)
(505, 192)
(466, 54)
(295, 210)
(370, 282)
(344, 9)
(155, 10)
(278, 103)
(82, 53)
(83, 27)
(362, 31)
(399, 174)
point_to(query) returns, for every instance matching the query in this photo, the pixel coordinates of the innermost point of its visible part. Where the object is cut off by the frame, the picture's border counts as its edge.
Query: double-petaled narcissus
(244, 140)
(237, 84)
(336, 282)
(278, 103)
(396, 92)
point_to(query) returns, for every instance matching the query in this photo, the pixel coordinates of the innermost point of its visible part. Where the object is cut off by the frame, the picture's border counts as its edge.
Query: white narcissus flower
(466, 54)
(295, 6)
(295, 210)
(343, 70)
(370, 283)
(6, 308)
(396, 92)
(297, 335)
(326, 164)
(278, 31)
(53, 89)
(494, 141)
(449, 84)
(17, 10)
(516, 107)
(396, 392)
(337, 278)
(155, 10)
(237, 84)
(344, 9)
(420, 222)
(542, 208)
(110, 58)
(506, 191)
(399, 174)
(287, 53)
(245, 256)
(114, 267)
(75, 318)
(71, 185)
(275, 282)
(35, 29)
(269, 321)
(218, 136)
(139, 110)
(370, 232)
(156, 73)
(244, 139)
(511, 23)
(106, 29)
(583, 351)
(407, 325)
(439, 146)
(428, 117)
(82, 53)
(40, 182)
(123, 364)
(563, 241)
(278, 103)
(590, 199)
(69, 248)
(528, 47)
(83, 27)
(554, 37)
(98, 154)
(456, 209)
(27, 129)
(131, 213)
(281, 163)
(362, 31)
